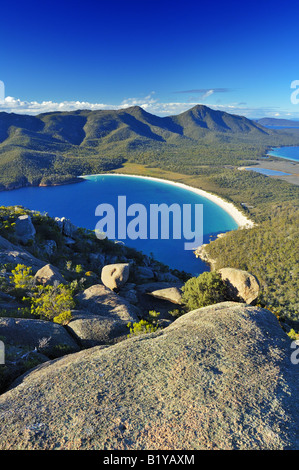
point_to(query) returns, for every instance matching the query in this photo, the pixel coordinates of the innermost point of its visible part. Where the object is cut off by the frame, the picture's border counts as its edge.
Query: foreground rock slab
(217, 378)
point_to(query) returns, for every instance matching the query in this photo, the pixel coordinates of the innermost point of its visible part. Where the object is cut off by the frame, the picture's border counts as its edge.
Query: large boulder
(100, 300)
(241, 284)
(172, 294)
(33, 333)
(49, 275)
(116, 275)
(92, 330)
(219, 377)
(24, 229)
(149, 287)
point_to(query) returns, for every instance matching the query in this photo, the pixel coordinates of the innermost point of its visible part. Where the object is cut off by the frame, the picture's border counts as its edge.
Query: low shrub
(206, 289)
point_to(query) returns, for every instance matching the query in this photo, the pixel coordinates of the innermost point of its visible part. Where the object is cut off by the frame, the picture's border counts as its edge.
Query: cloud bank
(148, 103)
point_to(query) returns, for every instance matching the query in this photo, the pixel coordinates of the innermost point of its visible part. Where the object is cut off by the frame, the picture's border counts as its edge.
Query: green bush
(53, 303)
(141, 328)
(206, 289)
(22, 277)
(144, 326)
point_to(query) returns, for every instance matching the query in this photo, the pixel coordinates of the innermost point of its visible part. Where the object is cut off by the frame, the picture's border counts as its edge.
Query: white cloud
(16, 105)
(145, 103)
(207, 94)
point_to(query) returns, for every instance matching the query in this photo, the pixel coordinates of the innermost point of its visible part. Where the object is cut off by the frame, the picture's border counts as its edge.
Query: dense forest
(270, 252)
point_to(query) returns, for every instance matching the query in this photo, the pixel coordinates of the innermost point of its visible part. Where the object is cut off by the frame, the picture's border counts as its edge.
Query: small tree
(206, 289)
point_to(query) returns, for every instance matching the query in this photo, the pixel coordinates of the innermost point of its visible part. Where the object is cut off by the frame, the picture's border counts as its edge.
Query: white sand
(236, 214)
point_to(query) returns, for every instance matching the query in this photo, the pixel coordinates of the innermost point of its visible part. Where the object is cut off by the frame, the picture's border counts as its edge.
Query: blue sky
(166, 56)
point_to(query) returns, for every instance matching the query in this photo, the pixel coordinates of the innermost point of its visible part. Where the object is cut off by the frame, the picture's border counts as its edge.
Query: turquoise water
(289, 153)
(78, 202)
(266, 172)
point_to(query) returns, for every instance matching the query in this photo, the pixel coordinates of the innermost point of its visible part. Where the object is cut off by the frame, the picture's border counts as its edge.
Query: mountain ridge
(277, 122)
(52, 148)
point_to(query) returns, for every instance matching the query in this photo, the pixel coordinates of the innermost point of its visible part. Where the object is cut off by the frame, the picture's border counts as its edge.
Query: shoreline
(242, 220)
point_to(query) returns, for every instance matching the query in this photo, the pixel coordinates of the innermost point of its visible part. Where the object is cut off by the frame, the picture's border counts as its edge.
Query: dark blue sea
(78, 202)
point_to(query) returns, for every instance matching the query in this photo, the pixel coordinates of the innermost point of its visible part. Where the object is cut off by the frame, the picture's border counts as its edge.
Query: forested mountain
(55, 147)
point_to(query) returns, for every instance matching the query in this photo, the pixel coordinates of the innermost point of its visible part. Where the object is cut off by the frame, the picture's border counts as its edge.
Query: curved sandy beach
(236, 214)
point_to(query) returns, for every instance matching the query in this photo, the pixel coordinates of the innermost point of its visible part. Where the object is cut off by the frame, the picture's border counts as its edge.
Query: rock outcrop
(241, 284)
(100, 300)
(144, 273)
(31, 332)
(116, 275)
(66, 227)
(49, 247)
(24, 229)
(16, 254)
(218, 378)
(91, 330)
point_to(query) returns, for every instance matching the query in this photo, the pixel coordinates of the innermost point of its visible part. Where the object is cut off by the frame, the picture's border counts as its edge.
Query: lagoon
(266, 172)
(289, 153)
(78, 202)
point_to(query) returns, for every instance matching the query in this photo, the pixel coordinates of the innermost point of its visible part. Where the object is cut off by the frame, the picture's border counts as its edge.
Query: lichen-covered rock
(241, 284)
(116, 275)
(219, 377)
(49, 275)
